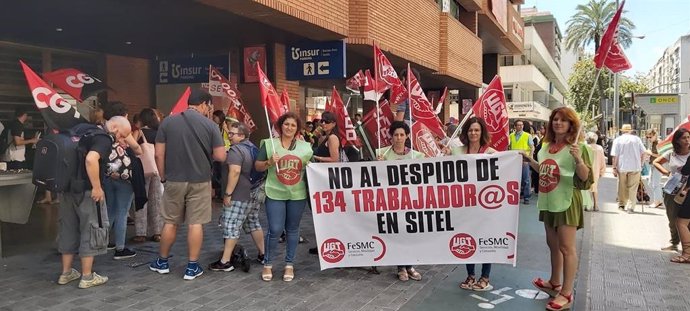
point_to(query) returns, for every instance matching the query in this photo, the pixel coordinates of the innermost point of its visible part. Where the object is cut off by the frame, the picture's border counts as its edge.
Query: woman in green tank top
(400, 132)
(565, 168)
(285, 158)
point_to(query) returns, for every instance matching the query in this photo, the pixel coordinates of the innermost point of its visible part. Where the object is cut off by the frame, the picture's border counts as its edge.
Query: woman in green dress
(400, 132)
(565, 168)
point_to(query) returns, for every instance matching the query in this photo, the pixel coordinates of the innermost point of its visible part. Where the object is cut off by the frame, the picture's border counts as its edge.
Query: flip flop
(680, 259)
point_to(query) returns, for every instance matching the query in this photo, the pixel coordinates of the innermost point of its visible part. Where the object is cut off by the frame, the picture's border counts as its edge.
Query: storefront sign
(520, 106)
(416, 211)
(251, 56)
(663, 100)
(179, 70)
(310, 60)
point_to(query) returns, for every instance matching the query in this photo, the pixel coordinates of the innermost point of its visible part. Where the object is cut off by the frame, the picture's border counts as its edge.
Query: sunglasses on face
(326, 122)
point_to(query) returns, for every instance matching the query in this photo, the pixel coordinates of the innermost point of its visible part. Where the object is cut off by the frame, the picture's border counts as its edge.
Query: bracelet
(228, 194)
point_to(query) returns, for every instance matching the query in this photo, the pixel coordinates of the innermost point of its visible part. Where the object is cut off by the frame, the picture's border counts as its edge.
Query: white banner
(445, 210)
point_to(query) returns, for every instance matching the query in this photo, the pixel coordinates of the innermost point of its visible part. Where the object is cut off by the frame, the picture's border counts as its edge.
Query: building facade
(669, 76)
(137, 47)
(533, 81)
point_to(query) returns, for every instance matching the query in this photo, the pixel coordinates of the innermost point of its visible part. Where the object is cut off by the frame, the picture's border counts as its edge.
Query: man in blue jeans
(521, 140)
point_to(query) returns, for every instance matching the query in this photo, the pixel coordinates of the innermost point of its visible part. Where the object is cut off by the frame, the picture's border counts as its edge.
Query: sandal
(681, 259)
(289, 273)
(469, 282)
(552, 306)
(413, 274)
(402, 275)
(267, 274)
(482, 285)
(156, 238)
(551, 289)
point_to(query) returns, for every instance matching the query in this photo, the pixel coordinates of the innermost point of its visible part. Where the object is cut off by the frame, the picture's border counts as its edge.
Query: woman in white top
(598, 166)
(676, 159)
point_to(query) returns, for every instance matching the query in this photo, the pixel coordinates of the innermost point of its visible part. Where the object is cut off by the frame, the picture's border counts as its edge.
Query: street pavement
(621, 268)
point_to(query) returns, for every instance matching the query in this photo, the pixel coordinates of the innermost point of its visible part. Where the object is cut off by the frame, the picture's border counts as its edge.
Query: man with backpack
(82, 212)
(240, 203)
(186, 146)
(13, 144)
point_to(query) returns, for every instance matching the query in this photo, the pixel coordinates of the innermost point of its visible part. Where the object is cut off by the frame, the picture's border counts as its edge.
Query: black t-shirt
(16, 128)
(150, 135)
(102, 144)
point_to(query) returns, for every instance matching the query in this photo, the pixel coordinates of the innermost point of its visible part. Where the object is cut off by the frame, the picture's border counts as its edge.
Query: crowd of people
(170, 169)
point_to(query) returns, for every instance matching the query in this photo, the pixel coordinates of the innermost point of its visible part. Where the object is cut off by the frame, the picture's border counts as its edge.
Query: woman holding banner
(475, 139)
(400, 132)
(286, 190)
(565, 168)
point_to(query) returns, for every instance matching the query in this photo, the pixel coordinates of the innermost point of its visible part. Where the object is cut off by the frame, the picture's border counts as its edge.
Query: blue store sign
(189, 69)
(309, 60)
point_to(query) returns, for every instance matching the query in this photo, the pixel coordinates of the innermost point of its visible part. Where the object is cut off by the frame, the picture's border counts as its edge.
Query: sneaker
(621, 207)
(260, 258)
(193, 272)
(111, 246)
(160, 266)
(124, 253)
(219, 266)
(94, 281)
(69, 277)
(525, 201)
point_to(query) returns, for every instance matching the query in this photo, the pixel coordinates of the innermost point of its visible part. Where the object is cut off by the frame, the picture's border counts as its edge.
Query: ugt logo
(462, 245)
(332, 250)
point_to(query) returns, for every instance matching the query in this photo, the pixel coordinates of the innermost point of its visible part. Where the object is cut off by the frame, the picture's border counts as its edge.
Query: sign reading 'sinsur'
(310, 60)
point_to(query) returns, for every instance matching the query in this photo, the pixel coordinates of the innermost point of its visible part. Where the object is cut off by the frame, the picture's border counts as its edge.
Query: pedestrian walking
(598, 167)
(186, 146)
(565, 168)
(628, 154)
(670, 163)
(521, 141)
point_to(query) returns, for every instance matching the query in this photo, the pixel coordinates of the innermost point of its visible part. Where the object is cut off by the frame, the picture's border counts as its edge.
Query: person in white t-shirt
(627, 152)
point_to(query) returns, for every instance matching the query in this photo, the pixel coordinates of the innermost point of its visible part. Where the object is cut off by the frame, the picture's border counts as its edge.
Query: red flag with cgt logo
(75, 82)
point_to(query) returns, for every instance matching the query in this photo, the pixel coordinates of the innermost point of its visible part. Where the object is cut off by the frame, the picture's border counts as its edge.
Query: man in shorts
(186, 145)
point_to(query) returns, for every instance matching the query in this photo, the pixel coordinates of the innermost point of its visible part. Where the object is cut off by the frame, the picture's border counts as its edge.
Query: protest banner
(443, 210)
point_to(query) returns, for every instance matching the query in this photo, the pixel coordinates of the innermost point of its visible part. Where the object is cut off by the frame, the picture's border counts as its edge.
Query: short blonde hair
(592, 137)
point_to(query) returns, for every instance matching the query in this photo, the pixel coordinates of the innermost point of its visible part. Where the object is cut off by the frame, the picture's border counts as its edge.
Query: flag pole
(410, 107)
(378, 105)
(457, 130)
(270, 130)
(591, 93)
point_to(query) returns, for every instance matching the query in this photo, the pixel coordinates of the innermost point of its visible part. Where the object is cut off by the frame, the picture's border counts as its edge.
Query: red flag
(55, 110)
(369, 92)
(218, 85)
(685, 124)
(269, 97)
(348, 135)
(384, 71)
(607, 40)
(441, 100)
(491, 107)
(285, 100)
(386, 119)
(398, 94)
(182, 103)
(424, 140)
(356, 82)
(421, 108)
(616, 61)
(75, 82)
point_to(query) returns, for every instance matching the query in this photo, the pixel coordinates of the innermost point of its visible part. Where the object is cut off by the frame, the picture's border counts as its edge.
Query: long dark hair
(330, 117)
(148, 117)
(676, 138)
(484, 139)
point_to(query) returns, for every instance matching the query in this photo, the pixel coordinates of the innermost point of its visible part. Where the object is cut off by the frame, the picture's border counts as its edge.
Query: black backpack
(59, 159)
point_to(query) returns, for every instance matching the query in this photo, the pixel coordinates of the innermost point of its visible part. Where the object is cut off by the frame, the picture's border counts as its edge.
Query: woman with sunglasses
(400, 132)
(328, 149)
(285, 158)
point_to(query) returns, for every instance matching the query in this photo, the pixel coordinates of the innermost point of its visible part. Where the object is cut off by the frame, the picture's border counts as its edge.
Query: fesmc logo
(289, 170)
(549, 175)
(332, 250)
(462, 245)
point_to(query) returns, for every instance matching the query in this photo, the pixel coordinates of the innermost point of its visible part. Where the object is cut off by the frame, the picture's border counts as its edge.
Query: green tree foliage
(588, 24)
(581, 82)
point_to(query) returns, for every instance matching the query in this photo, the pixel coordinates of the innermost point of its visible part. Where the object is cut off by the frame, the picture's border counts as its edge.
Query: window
(506, 60)
(509, 94)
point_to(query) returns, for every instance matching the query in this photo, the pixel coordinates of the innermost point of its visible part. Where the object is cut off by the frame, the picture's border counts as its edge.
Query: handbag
(148, 159)
(98, 239)
(680, 197)
(674, 183)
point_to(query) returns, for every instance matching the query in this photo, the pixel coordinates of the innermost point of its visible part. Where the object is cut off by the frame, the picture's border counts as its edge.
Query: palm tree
(588, 24)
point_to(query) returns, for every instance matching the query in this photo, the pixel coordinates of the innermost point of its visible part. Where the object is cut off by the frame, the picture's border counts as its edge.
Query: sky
(662, 22)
